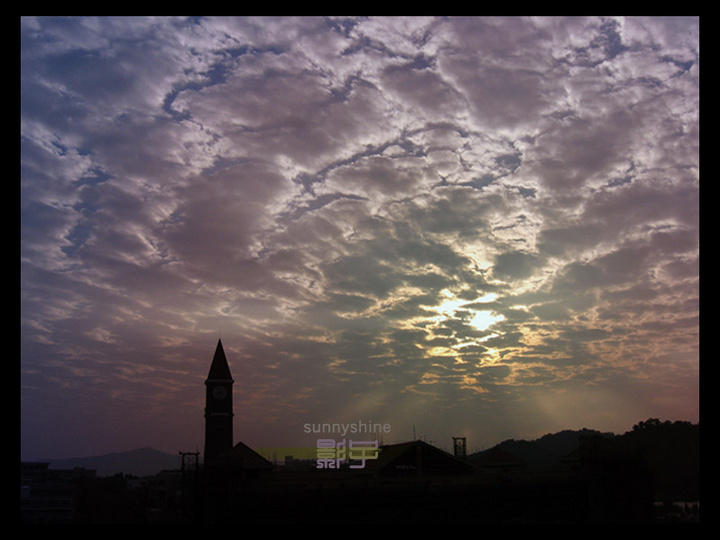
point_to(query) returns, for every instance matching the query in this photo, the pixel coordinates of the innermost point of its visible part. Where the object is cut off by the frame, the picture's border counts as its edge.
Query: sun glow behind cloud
(456, 308)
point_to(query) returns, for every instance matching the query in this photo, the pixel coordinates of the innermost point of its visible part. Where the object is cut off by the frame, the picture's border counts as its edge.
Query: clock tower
(218, 407)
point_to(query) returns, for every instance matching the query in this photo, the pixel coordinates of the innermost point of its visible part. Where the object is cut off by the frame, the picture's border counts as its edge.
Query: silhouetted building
(218, 407)
(417, 458)
(47, 495)
(228, 468)
(164, 495)
(220, 449)
(243, 462)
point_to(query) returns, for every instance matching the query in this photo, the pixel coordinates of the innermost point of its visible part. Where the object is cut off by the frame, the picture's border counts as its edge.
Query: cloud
(442, 219)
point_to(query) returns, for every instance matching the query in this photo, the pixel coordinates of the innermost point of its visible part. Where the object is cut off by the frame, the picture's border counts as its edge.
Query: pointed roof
(240, 457)
(249, 457)
(419, 457)
(219, 369)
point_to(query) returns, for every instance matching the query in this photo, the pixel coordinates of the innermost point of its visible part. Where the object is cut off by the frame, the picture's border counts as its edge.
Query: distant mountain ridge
(548, 449)
(138, 462)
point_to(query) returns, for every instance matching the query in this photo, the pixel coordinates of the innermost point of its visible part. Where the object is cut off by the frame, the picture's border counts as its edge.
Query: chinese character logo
(332, 454)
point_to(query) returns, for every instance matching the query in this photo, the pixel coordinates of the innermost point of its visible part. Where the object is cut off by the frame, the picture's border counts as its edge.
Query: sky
(478, 227)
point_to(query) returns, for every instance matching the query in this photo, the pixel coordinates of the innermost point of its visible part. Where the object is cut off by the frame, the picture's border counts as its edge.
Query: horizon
(479, 227)
(263, 451)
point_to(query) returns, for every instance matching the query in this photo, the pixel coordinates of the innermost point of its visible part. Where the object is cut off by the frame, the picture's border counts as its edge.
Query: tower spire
(219, 369)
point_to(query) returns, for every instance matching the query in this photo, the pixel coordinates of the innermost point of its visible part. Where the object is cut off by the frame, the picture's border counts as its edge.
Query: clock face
(219, 392)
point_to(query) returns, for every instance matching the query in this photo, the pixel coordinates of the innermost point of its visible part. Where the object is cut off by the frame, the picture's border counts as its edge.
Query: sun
(482, 320)
(478, 319)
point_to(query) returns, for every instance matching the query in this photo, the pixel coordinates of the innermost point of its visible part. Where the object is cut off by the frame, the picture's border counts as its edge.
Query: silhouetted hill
(548, 449)
(669, 452)
(139, 462)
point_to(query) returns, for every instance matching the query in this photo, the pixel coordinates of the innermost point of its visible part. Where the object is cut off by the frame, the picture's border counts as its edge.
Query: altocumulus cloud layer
(476, 226)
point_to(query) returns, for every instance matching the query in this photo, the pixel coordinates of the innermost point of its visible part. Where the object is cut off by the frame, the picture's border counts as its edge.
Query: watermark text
(352, 428)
